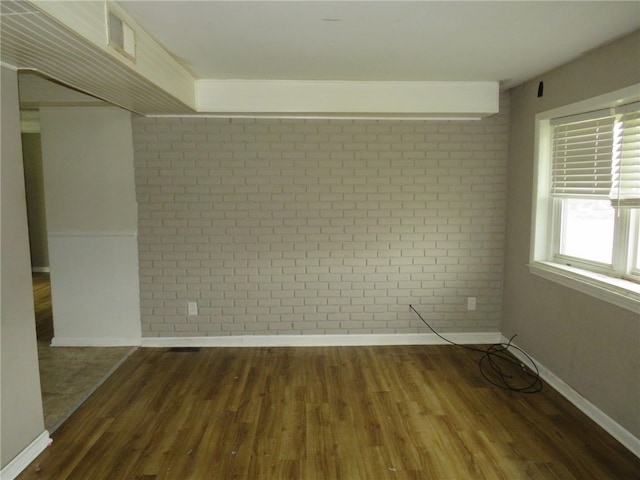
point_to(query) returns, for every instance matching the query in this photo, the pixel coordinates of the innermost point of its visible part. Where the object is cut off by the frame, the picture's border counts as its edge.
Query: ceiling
(507, 41)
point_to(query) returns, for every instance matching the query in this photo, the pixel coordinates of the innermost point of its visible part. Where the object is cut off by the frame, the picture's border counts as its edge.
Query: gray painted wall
(592, 345)
(21, 415)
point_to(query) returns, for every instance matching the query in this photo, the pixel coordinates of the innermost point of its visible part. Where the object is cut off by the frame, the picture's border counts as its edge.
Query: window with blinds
(595, 189)
(586, 204)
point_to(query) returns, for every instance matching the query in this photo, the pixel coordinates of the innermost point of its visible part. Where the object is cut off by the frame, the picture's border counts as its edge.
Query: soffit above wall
(334, 99)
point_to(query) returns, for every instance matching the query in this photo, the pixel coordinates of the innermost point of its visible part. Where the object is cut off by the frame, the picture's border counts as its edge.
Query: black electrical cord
(495, 356)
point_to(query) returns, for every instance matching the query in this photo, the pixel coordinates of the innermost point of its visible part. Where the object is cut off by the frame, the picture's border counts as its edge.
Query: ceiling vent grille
(122, 37)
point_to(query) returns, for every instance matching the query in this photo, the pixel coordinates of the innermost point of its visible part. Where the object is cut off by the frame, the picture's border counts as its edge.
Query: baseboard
(618, 432)
(25, 457)
(321, 340)
(40, 269)
(94, 342)
(282, 340)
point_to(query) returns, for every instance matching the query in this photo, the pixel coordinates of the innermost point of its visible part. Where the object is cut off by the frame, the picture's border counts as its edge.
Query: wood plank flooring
(401, 412)
(43, 310)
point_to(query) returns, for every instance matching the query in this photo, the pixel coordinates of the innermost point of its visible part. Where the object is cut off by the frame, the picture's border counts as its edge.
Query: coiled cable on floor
(495, 361)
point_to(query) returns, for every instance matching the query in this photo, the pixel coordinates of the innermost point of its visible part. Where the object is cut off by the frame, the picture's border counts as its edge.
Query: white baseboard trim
(94, 342)
(618, 432)
(321, 340)
(25, 457)
(40, 269)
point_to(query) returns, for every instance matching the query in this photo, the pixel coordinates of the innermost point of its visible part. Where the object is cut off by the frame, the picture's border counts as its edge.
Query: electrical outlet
(192, 307)
(471, 303)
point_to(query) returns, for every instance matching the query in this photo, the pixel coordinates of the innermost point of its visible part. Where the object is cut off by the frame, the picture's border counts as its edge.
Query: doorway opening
(68, 375)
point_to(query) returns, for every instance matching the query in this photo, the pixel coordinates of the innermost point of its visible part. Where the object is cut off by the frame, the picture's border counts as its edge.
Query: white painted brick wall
(319, 226)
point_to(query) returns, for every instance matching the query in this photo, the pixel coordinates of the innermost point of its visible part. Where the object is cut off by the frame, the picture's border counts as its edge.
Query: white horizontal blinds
(582, 148)
(625, 188)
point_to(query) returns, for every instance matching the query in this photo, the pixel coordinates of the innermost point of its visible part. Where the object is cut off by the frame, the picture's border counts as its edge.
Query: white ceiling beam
(347, 99)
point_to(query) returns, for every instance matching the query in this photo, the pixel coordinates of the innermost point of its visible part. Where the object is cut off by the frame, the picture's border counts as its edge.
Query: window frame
(587, 277)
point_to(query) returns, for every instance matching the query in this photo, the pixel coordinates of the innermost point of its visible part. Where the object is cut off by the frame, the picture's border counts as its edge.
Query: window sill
(622, 293)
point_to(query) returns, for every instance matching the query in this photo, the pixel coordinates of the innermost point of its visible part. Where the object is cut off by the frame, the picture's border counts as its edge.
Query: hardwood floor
(402, 412)
(43, 310)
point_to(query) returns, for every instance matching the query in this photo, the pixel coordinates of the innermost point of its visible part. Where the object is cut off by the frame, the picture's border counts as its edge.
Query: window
(586, 231)
(595, 185)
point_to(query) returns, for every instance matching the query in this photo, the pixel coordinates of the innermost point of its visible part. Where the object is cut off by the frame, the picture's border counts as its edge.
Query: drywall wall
(34, 185)
(92, 225)
(21, 417)
(320, 226)
(88, 169)
(591, 345)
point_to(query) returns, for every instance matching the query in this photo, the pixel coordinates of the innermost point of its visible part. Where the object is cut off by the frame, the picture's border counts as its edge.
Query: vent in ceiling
(122, 38)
